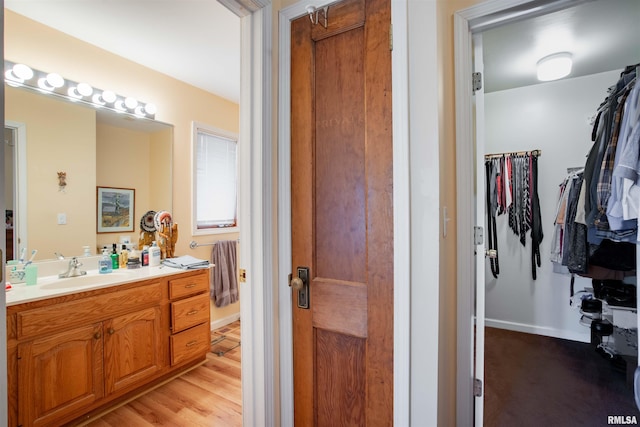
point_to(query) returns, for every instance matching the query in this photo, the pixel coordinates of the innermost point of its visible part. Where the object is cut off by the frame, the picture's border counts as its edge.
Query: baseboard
(539, 330)
(215, 324)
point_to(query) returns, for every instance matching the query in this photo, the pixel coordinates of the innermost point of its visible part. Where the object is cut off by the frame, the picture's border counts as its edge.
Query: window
(215, 180)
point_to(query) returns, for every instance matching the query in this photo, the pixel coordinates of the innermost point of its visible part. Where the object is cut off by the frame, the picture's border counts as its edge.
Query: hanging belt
(492, 238)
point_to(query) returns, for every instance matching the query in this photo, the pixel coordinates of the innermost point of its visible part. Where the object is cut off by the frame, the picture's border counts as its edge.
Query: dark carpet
(532, 380)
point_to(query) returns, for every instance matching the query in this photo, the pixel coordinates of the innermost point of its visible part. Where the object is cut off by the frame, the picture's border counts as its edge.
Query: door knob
(301, 284)
(491, 253)
(297, 283)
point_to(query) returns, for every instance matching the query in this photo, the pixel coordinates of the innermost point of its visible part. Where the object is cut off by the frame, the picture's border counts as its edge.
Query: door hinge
(243, 275)
(478, 235)
(391, 37)
(476, 81)
(477, 387)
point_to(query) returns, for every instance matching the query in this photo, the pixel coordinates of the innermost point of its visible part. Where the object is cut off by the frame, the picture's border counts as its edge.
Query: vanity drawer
(189, 285)
(189, 312)
(190, 343)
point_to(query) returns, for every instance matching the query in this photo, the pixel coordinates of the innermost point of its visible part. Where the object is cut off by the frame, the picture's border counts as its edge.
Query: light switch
(62, 218)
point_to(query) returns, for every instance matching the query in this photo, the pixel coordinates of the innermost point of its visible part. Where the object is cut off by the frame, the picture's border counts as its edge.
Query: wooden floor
(209, 395)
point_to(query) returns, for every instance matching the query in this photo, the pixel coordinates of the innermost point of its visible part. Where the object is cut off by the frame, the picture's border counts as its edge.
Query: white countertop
(49, 285)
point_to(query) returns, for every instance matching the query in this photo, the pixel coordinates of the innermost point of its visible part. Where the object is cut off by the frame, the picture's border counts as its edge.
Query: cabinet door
(59, 374)
(132, 348)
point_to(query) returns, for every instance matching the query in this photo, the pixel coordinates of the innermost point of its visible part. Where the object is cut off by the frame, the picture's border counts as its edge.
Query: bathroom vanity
(76, 350)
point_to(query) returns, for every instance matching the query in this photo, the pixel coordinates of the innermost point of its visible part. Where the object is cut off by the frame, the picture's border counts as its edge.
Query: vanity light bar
(21, 75)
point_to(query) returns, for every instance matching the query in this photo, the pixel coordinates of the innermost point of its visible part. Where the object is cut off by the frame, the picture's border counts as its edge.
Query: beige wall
(178, 103)
(71, 129)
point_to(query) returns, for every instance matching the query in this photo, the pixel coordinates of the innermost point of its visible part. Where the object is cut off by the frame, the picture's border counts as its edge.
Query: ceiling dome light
(554, 67)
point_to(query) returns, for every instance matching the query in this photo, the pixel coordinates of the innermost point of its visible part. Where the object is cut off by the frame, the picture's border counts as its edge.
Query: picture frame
(116, 209)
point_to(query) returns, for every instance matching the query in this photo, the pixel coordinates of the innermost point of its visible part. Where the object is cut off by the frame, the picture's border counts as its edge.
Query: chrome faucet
(73, 270)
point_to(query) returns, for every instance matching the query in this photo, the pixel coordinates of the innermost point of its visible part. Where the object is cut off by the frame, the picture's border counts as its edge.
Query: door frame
(486, 15)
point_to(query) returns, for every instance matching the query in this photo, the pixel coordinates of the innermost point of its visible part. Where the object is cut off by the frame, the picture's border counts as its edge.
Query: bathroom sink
(92, 278)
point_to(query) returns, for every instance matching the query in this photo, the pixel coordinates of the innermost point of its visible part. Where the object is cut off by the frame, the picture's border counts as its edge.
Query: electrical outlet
(62, 218)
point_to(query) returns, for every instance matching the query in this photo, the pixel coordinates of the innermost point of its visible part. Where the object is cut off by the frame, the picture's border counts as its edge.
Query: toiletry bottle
(86, 251)
(144, 256)
(154, 255)
(104, 264)
(124, 256)
(115, 259)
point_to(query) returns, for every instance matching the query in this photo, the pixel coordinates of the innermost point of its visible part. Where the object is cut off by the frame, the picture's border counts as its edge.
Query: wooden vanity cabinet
(59, 374)
(78, 354)
(190, 328)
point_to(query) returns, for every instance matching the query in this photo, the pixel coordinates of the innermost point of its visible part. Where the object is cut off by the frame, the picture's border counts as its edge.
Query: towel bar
(195, 244)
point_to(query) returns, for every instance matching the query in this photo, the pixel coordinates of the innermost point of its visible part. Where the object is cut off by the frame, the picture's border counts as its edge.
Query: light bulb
(55, 80)
(131, 103)
(97, 99)
(84, 89)
(108, 96)
(119, 105)
(22, 71)
(150, 108)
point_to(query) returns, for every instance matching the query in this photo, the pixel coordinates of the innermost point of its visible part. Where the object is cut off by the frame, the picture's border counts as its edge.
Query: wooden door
(342, 215)
(132, 349)
(59, 374)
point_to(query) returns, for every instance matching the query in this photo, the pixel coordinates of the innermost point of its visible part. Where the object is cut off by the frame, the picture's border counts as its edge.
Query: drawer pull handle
(97, 335)
(192, 312)
(192, 343)
(190, 285)
(111, 331)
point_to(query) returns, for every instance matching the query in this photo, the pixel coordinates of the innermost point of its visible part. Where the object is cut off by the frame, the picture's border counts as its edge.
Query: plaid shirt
(606, 169)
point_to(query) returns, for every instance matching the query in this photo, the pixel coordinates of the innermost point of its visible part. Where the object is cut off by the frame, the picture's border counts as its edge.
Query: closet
(557, 118)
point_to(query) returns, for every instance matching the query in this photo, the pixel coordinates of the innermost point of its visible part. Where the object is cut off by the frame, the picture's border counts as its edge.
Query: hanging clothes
(596, 217)
(512, 189)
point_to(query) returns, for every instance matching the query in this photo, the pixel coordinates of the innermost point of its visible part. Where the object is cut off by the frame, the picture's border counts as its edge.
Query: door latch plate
(303, 292)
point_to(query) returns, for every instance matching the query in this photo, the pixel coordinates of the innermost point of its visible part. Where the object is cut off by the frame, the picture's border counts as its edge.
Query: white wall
(552, 117)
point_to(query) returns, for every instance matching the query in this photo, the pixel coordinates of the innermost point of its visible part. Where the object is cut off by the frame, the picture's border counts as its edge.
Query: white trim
(401, 213)
(259, 367)
(424, 254)
(216, 324)
(401, 218)
(20, 177)
(284, 216)
(464, 221)
(539, 330)
(465, 180)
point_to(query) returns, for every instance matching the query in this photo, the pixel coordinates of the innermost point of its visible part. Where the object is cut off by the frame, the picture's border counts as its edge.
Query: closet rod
(536, 153)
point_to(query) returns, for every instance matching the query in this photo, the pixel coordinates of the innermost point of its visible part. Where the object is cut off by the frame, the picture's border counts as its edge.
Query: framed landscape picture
(115, 209)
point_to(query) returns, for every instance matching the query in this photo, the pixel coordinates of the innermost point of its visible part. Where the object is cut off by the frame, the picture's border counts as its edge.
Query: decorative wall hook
(62, 180)
(314, 13)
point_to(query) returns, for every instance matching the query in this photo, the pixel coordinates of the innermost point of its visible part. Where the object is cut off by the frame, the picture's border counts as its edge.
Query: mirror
(47, 135)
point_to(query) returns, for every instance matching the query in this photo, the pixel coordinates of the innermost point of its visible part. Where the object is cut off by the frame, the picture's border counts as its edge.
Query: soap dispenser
(115, 259)
(104, 265)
